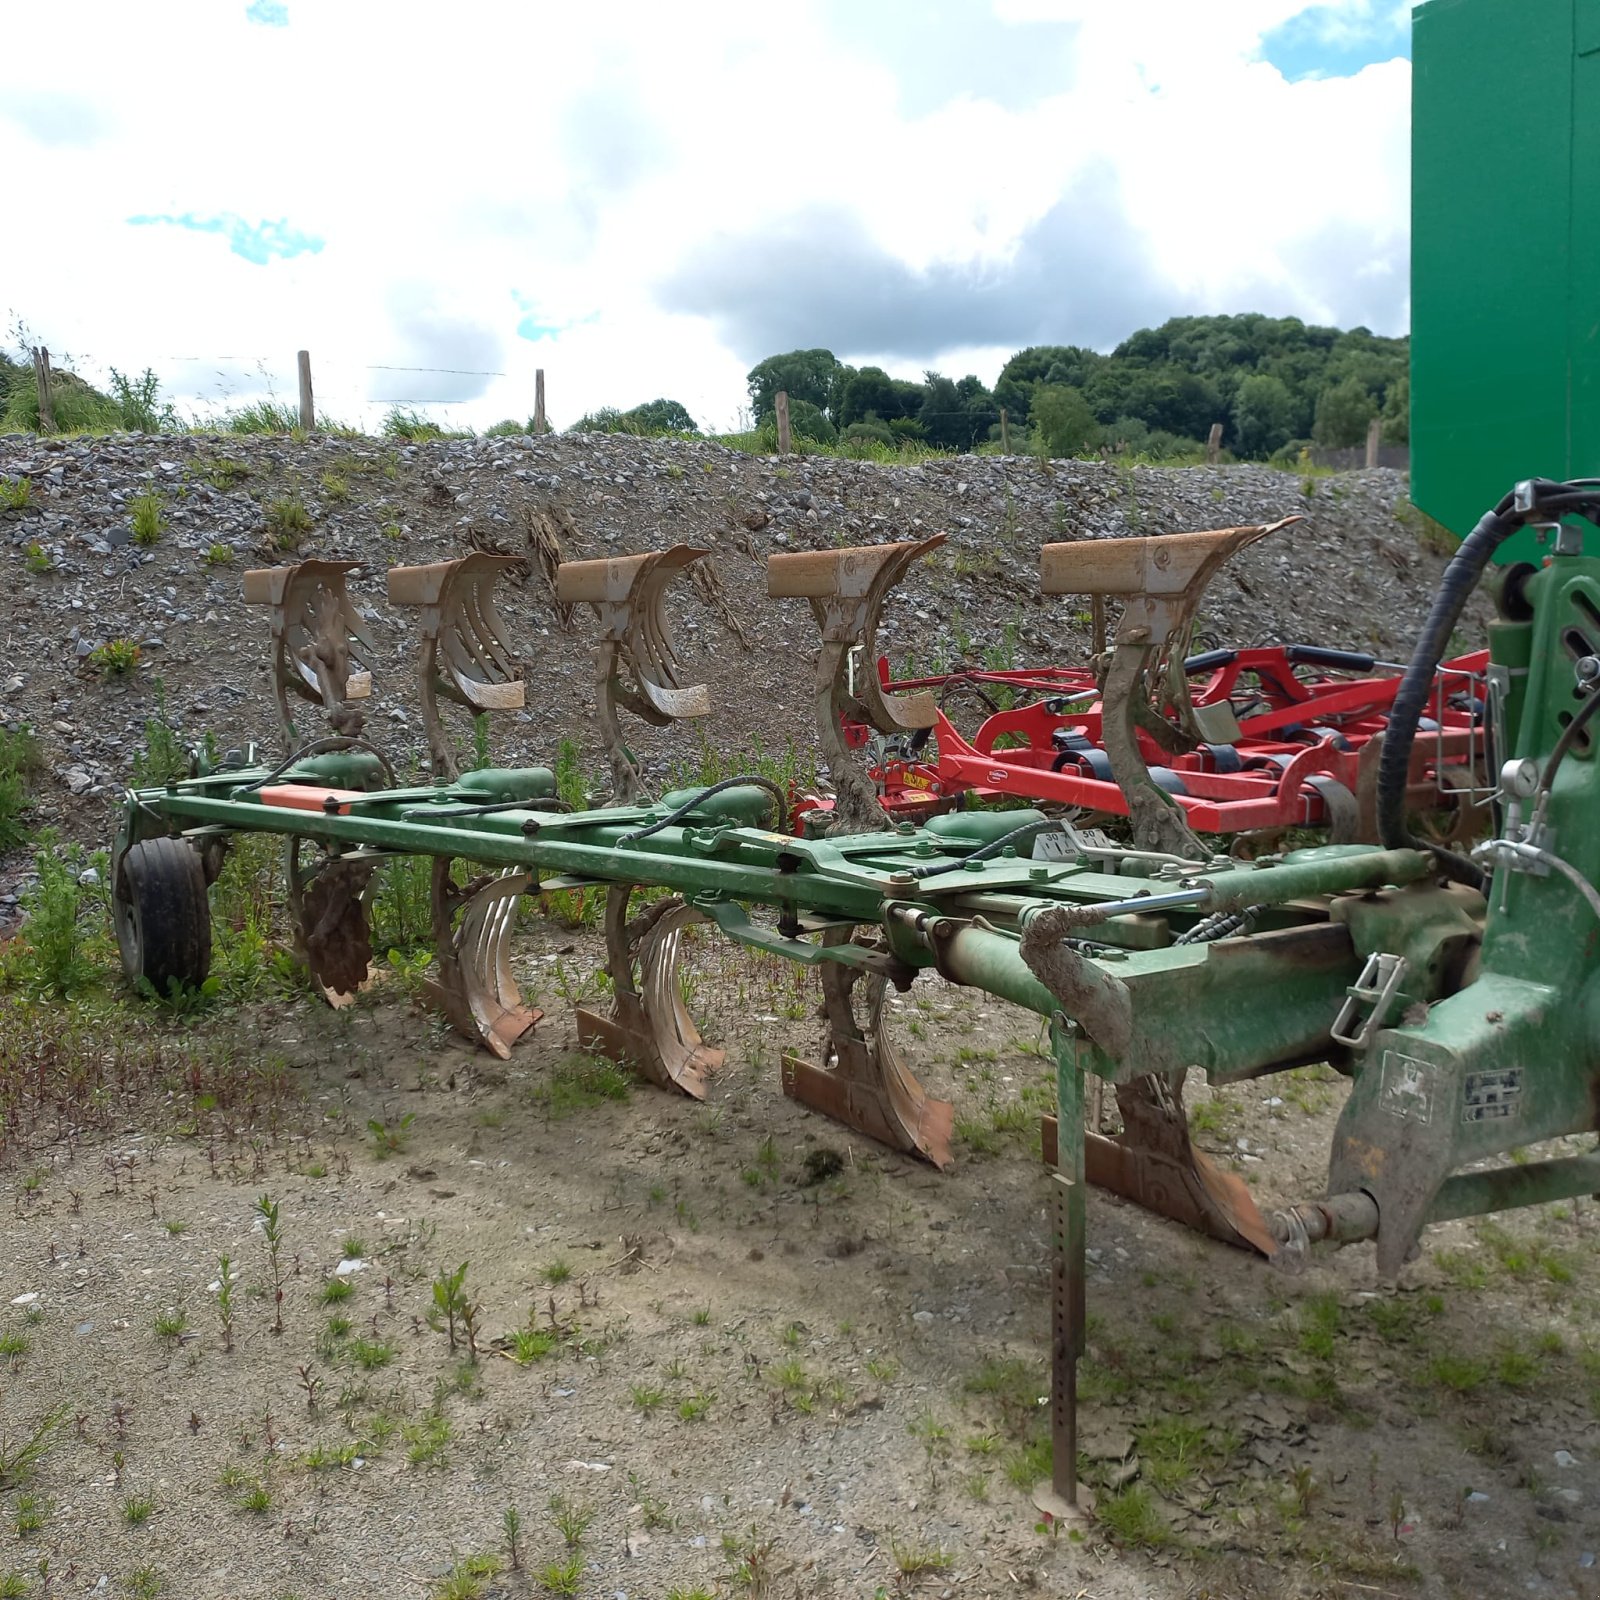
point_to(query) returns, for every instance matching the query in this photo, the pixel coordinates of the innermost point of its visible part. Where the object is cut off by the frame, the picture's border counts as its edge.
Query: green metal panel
(1505, 241)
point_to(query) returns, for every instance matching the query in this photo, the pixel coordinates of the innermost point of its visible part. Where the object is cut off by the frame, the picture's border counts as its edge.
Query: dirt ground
(727, 1348)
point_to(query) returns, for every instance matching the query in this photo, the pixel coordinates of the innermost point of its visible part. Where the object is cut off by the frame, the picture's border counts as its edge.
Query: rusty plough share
(1460, 1006)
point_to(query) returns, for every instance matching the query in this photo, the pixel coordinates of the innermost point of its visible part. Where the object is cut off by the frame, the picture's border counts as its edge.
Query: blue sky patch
(269, 13)
(258, 242)
(1324, 43)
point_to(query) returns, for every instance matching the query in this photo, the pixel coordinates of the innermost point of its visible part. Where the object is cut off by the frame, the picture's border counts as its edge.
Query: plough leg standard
(1461, 1006)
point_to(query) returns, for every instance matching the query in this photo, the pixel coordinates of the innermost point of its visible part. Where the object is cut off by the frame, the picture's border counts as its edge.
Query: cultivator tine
(472, 927)
(1162, 579)
(847, 589)
(649, 1028)
(637, 668)
(864, 1082)
(313, 628)
(466, 656)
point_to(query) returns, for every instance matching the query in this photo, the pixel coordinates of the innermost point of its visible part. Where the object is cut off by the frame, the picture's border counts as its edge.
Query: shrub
(19, 761)
(149, 523)
(113, 659)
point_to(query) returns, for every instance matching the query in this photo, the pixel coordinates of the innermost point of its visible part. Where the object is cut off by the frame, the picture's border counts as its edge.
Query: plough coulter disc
(649, 1029)
(846, 590)
(637, 667)
(328, 908)
(313, 628)
(863, 1081)
(476, 989)
(465, 655)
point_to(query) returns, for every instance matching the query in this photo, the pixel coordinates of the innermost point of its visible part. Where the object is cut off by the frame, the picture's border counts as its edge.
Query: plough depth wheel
(162, 916)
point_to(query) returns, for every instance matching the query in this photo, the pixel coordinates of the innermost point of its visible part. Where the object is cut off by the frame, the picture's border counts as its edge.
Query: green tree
(1343, 411)
(1062, 418)
(803, 374)
(651, 418)
(1263, 415)
(870, 390)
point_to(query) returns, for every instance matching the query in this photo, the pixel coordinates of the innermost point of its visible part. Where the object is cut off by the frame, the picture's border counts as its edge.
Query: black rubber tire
(162, 914)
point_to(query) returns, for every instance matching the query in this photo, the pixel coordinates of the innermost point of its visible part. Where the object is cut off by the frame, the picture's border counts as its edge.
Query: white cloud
(500, 164)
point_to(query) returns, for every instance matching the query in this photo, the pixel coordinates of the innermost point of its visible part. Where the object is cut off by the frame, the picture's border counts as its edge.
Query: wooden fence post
(783, 422)
(1374, 438)
(539, 424)
(308, 410)
(41, 374)
(1214, 444)
(1005, 434)
(1097, 623)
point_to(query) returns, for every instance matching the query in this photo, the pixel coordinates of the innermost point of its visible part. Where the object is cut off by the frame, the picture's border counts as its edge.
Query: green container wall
(1505, 251)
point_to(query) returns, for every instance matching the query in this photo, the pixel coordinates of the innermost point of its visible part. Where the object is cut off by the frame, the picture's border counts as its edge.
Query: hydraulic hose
(1540, 500)
(989, 851)
(780, 803)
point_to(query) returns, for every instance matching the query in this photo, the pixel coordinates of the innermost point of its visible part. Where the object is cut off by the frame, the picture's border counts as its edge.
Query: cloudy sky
(646, 199)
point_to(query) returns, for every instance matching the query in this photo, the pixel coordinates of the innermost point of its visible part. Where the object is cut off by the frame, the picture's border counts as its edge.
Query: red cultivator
(1229, 741)
(1305, 755)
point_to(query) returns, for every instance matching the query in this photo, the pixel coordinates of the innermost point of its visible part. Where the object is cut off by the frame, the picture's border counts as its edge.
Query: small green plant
(371, 1354)
(225, 1277)
(116, 658)
(145, 1583)
(272, 1233)
(335, 486)
(571, 1521)
(696, 1407)
(288, 521)
(15, 493)
(531, 1344)
(20, 761)
(563, 1577)
(218, 555)
(171, 1323)
(137, 1510)
(256, 1499)
(30, 1515)
(452, 1302)
(646, 1397)
(557, 1272)
(149, 519)
(912, 1559)
(13, 1347)
(387, 1141)
(511, 1526)
(468, 1578)
(335, 1290)
(37, 559)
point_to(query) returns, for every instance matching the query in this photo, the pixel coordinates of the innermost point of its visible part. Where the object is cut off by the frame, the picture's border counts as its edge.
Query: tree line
(1276, 384)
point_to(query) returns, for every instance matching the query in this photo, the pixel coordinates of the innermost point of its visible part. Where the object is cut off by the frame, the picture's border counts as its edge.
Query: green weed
(149, 519)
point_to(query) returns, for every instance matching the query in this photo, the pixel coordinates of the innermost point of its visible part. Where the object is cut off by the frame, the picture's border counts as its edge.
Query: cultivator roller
(637, 666)
(863, 1081)
(649, 1028)
(846, 590)
(465, 654)
(313, 628)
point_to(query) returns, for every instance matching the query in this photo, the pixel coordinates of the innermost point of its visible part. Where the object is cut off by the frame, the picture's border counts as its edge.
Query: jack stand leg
(1063, 1498)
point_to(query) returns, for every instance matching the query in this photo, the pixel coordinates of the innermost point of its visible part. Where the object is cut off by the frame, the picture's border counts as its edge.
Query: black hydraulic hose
(1569, 737)
(993, 848)
(319, 747)
(779, 799)
(1546, 501)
